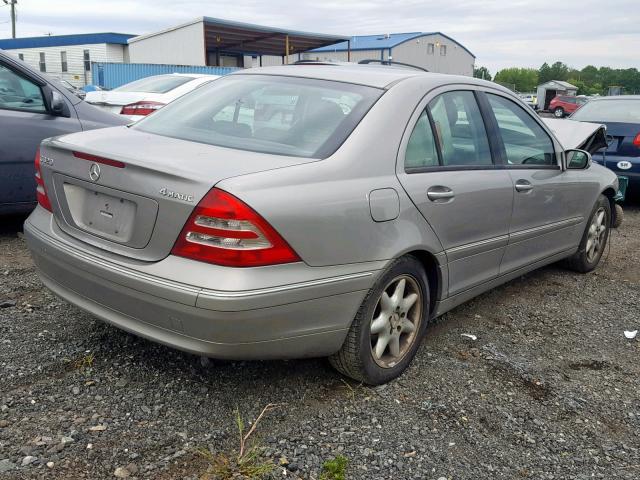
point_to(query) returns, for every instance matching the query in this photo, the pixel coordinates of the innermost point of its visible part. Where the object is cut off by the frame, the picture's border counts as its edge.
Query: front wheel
(594, 239)
(386, 332)
(559, 112)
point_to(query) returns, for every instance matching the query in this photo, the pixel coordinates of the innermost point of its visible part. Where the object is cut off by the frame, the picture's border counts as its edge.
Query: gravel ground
(549, 390)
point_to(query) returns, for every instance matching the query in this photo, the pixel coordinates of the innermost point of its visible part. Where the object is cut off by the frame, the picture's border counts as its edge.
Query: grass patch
(83, 363)
(247, 462)
(335, 469)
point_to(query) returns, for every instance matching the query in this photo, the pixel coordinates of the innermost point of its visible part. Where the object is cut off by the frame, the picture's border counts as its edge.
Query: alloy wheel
(395, 322)
(596, 235)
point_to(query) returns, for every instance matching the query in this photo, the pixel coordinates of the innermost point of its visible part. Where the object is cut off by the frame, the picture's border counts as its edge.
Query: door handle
(523, 186)
(440, 193)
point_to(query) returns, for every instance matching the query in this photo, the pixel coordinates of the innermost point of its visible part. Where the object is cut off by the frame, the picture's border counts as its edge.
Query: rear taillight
(224, 230)
(636, 141)
(141, 108)
(41, 191)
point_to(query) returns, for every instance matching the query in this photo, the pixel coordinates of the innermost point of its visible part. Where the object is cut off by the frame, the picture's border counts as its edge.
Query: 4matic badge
(180, 196)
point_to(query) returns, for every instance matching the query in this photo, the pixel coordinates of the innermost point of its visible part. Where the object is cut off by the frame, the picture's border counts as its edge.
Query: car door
(446, 165)
(546, 214)
(25, 121)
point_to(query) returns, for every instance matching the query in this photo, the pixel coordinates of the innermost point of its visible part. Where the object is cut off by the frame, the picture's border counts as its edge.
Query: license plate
(101, 214)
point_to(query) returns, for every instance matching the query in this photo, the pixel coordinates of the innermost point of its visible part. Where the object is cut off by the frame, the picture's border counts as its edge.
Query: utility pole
(12, 4)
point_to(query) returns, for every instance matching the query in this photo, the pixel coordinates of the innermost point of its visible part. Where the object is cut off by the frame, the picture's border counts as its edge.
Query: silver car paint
(188, 168)
(324, 209)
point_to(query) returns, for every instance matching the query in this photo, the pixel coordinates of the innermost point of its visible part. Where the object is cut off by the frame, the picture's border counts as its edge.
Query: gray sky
(500, 33)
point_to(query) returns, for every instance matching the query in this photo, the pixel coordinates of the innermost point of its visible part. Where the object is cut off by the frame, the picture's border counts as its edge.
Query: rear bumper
(308, 318)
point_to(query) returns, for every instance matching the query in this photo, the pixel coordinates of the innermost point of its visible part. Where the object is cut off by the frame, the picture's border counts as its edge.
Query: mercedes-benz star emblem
(94, 172)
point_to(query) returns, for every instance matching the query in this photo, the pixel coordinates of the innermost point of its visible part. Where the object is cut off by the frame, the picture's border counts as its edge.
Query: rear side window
(525, 142)
(459, 129)
(157, 84)
(263, 113)
(421, 149)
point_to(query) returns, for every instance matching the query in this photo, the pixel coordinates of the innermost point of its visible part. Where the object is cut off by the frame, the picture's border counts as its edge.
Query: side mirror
(57, 103)
(577, 159)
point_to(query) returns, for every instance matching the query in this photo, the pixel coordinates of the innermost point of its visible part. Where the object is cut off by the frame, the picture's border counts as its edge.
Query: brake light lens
(41, 191)
(141, 108)
(636, 141)
(225, 231)
(96, 159)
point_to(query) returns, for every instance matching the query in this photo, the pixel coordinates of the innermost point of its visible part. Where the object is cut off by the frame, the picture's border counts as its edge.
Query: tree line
(590, 80)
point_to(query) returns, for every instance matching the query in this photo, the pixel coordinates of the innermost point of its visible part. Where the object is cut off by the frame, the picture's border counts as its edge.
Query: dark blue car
(621, 115)
(34, 106)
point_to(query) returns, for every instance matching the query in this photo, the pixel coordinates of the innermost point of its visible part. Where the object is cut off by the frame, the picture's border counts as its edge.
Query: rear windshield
(619, 110)
(158, 84)
(269, 114)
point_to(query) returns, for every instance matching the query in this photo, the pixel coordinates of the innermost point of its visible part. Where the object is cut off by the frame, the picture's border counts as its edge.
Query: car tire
(558, 112)
(382, 325)
(619, 216)
(594, 240)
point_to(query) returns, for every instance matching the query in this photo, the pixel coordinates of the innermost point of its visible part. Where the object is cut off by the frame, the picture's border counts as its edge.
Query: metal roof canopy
(237, 37)
(558, 83)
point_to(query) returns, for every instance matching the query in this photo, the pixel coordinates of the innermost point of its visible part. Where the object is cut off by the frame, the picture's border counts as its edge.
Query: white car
(142, 97)
(530, 99)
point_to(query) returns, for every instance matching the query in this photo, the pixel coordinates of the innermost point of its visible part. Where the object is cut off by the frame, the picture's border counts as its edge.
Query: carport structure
(229, 38)
(208, 41)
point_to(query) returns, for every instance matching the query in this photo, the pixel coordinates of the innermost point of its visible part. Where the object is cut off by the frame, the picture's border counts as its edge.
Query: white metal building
(433, 51)
(208, 41)
(69, 57)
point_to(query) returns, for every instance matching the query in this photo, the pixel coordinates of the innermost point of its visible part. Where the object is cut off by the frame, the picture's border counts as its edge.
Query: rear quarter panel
(322, 208)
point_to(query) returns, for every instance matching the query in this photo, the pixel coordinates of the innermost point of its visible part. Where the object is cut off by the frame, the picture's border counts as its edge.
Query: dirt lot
(549, 390)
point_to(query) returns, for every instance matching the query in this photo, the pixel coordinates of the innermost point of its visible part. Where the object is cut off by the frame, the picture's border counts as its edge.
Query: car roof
(616, 97)
(377, 76)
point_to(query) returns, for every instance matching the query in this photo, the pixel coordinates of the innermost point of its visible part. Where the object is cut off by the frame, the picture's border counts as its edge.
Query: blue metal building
(433, 51)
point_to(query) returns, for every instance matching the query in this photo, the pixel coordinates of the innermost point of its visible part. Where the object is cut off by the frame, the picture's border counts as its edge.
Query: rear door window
(460, 130)
(525, 141)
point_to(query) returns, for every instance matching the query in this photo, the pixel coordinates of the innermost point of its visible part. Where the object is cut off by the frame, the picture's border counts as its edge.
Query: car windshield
(157, 84)
(268, 114)
(618, 110)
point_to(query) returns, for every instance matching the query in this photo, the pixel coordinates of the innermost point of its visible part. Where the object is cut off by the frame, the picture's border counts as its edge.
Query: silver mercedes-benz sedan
(312, 210)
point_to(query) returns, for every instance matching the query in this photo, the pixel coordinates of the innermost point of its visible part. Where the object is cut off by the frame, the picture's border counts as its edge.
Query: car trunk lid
(620, 139)
(114, 101)
(130, 192)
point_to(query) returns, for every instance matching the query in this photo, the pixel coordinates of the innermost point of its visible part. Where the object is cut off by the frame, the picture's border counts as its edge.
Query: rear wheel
(386, 332)
(559, 112)
(594, 239)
